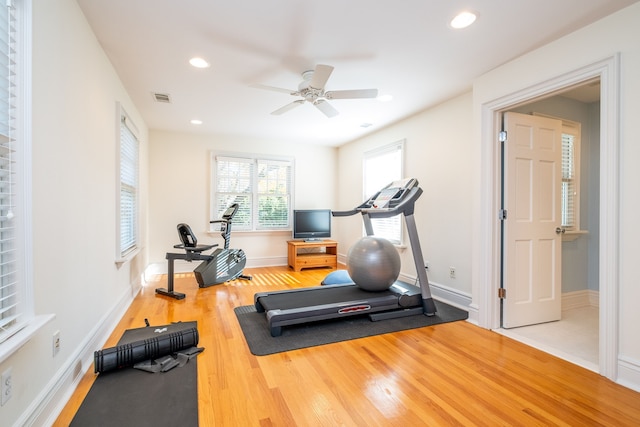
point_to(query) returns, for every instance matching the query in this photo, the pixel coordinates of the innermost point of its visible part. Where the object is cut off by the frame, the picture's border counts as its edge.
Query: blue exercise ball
(373, 263)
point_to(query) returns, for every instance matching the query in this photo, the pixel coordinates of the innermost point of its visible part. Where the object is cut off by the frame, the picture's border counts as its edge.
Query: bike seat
(189, 241)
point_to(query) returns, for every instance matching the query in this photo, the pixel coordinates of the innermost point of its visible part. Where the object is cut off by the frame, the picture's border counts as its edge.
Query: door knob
(560, 230)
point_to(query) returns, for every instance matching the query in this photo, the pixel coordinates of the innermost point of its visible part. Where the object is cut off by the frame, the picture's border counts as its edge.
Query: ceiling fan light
(199, 63)
(463, 20)
(196, 122)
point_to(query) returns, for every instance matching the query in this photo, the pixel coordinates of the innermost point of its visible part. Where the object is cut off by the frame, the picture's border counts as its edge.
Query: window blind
(274, 182)
(128, 188)
(10, 307)
(262, 187)
(568, 181)
(234, 184)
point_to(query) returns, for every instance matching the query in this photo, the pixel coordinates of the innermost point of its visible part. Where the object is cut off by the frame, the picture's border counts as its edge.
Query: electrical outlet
(7, 386)
(452, 272)
(56, 343)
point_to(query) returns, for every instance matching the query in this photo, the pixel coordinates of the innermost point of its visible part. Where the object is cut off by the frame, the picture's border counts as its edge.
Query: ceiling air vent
(162, 97)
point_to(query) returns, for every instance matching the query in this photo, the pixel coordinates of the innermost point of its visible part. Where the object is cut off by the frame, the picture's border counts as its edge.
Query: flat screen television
(311, 224)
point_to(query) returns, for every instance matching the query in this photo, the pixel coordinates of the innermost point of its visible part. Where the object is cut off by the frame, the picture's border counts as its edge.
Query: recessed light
(199, 63)
(385, 98)
(196, 122)
(463, 20)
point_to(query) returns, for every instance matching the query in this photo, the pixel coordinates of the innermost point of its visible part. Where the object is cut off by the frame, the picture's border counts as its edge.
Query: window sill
(20, 338)
(128, 257)
(570, 236)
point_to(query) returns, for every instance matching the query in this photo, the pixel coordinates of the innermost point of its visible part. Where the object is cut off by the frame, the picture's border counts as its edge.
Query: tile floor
(573, 338)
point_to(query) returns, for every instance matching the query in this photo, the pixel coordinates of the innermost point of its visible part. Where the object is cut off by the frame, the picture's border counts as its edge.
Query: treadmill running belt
(320, 295)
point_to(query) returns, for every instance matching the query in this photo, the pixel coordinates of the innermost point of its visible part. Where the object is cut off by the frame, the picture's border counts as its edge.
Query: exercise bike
(222, 265)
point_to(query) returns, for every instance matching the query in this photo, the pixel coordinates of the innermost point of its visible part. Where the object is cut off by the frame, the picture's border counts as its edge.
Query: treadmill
(304, 305)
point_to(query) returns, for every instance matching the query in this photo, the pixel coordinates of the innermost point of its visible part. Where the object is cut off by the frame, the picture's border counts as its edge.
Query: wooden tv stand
(299, 260)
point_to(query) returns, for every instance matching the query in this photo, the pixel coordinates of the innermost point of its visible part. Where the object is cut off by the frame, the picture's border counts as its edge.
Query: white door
(532, 242)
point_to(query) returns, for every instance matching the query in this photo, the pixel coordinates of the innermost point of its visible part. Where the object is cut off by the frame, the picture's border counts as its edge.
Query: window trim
(122, 118)
(378, 152)
(254, 159)
(31, 323)
(574, 128)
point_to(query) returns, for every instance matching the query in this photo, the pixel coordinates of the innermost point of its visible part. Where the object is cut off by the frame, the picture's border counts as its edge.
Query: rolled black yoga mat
(169, 340)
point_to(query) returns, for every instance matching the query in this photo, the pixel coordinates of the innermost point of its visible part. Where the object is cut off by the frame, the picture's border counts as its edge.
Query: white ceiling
(404, 48)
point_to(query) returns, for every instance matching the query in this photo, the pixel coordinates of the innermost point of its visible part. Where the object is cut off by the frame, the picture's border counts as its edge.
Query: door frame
(489, 236)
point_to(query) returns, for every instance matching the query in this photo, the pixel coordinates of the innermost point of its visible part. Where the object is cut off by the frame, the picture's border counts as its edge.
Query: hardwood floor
(450, 374)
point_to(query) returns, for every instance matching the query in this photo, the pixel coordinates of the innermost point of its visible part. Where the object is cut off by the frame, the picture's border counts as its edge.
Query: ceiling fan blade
(276, 89)
(288, 107)
(351, 94)
(326, 108)
(320, 76)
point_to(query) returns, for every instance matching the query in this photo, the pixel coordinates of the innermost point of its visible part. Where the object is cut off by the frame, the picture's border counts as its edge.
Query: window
(381, 167)
(128, 150)
(571, 134)
(16, 308)
(261, 186)
(570, 175)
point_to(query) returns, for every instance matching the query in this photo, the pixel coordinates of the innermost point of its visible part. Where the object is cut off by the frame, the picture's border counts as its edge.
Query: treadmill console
(390, 196)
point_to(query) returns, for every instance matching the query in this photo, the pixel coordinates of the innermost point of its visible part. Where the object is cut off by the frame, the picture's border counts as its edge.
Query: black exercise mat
(132, 397)
(256, 330)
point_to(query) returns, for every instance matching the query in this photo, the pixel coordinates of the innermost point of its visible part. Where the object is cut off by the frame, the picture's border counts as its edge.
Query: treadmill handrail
(344, 213)
(409, 195)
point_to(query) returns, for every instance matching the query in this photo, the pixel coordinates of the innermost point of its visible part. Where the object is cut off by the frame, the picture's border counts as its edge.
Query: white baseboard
(629, 373)
(51, 401)
(444, 293)
(181, 266)
(579, 299)
(267, 262)
(473, 315)
(451, 296)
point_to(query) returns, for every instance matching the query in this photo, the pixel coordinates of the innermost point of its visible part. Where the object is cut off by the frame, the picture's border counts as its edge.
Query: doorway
(575, 336)
(489, 244)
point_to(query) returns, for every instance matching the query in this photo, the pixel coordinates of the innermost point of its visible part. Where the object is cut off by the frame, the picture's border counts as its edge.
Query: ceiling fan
(311, 89)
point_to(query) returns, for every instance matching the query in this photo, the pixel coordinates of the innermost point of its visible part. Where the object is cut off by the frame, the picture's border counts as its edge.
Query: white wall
(180, 174)
(437, 153)
(615, 34)
(75, 90)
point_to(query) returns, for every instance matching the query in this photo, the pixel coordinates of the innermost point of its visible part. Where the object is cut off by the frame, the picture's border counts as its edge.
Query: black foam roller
(126, 355)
